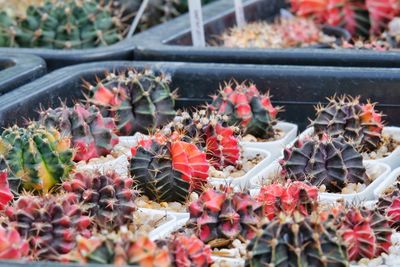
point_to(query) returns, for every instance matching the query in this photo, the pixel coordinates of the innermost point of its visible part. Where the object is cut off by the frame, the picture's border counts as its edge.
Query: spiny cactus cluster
(209, 132)
(69, 24)
(92, 134)
(168, 171)
(329, 162)
(246, 108)
(284, 33)
(359, 17)
(138, 101)
(347, 117)
(221, 216)
(47, 157)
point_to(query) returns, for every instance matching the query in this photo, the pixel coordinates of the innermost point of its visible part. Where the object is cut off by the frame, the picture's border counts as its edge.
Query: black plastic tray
(17, 70)
(172, 41)
(297, 88)
(48, 264)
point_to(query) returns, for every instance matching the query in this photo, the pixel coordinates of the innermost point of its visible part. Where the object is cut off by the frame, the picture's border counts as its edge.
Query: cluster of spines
(246, 108)
(210, 133)
(106, 198)
(47, 157)
(325, 161)
(168, 170)
(63, 25)
(221, 216)
(138, 101)
(92, 135)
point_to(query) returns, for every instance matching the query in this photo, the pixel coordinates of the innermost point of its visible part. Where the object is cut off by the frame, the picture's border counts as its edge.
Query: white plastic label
(196, 22)
(239, 11)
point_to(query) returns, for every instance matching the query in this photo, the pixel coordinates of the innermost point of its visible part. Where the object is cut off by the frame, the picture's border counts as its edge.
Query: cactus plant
(246, 108)
(346, 116)
(221, 216)
(168, 171)
(329, 162)
(12, 245)
(46, 154)
(92, 134)
(138, 101)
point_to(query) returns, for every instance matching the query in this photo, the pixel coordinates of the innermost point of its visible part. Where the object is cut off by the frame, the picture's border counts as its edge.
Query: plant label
(196, 22)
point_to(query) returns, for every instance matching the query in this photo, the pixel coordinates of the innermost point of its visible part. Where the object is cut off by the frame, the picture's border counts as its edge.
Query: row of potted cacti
(81, 185)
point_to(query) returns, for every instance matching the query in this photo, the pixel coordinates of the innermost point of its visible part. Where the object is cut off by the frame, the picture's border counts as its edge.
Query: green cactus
(37, 158)
(64, 25)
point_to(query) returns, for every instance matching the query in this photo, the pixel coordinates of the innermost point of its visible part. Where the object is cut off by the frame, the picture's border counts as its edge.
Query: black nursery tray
(48, 264)
(297, 88)
(17, 70)
(172, 41)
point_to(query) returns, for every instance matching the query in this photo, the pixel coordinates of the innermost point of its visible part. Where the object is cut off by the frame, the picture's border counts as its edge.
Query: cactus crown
(37, 157)
(63, 24)
(294, 240)
(92, 134)
(221, 216)
(168, 171)
(138, 101)
(347, 117)
(329, 162)
(246, 108)
(210, 133)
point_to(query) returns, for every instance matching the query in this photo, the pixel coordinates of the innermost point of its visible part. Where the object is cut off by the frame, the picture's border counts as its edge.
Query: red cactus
(381, 12)
(190, 251)
(366, 233)
(246, 107)
(50, 222)
(224, 215)
(12, 245)
(288, 198)
(5, 193)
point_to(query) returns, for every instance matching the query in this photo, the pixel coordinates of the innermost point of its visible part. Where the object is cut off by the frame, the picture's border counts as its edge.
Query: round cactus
(49, 222)
(64, 24)
(138, 101)
(294, 240)
(210, 133)
(293, 196)
(168, 171)
(92, 134)
(46, 154)
(365, 232)
(219, 217)
(246, 108)
(108, 199)
(329, 162)
(354, 121)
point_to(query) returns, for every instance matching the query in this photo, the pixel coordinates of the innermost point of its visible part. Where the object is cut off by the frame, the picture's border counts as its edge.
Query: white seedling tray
(276, 147)
(382, 170)
(244, 181)
(393, 159)
(390, 179)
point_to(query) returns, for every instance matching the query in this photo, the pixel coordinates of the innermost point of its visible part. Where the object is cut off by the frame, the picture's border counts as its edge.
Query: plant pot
(389, 181)
(379, 170)
(276, 147)
(17, 70)
(244, 181)
(172, 41)
(393, 159)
